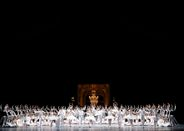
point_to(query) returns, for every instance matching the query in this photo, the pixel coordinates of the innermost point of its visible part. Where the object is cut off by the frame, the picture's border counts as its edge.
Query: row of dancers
(142, 115)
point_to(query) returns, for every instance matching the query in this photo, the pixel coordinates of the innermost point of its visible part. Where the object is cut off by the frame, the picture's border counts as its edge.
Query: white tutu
(20, 122)
(109, 117)
(88, 118)
(52, 118)
(71, 117)
(161, 123)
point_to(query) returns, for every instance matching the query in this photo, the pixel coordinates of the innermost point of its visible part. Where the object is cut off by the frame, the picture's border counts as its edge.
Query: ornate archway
(102, 90)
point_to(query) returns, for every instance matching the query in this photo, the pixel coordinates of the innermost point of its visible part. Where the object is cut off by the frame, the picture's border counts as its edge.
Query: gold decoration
(93, 98)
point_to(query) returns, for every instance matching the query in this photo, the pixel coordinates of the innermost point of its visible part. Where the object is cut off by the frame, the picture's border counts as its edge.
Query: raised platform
(96, 128)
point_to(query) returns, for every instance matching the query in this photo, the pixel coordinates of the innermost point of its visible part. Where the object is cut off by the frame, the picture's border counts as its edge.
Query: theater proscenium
(93, 94)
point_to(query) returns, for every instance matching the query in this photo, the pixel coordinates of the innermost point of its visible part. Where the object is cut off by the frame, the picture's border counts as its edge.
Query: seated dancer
(162, 122)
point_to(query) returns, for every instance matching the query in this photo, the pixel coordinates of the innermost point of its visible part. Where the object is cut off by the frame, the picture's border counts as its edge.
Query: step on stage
(95, 128)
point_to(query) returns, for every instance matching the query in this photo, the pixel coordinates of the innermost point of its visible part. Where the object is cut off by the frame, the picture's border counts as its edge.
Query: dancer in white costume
(162, 122)
(160, 115)
(61, 114)
(39, 119)
(120, 117)
(142, 115)
(109, 116)
(100, 113)
(70, 117)
(11, 116)
(155, 115)
(53, 118)
(130, 116)
(27, 119)
(90, 119)
(33, 120)
(81, 116)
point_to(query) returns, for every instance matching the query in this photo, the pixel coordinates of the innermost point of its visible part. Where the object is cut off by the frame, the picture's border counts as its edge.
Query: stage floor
(95, 128)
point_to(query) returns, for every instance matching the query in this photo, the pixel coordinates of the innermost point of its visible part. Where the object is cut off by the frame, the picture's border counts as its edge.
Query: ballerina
(149, 115)
(3, 117)
(99, 113)
(130, 116)
(39, 116)
(61, 114)
(70, 116)
(81, 116)
(28, 119)
(171, 117)
(33, 119)
(11, 117)
(155, 115)
(120, 117)
(142, 115)
(109, 116)
(90, 119)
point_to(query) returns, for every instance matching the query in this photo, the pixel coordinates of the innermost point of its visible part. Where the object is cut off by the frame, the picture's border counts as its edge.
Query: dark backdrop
(55, 53)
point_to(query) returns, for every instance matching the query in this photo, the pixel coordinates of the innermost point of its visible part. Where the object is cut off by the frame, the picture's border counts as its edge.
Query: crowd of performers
(142, 115)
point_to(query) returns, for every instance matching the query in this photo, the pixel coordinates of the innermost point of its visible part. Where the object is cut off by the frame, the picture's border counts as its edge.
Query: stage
(95, 128)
